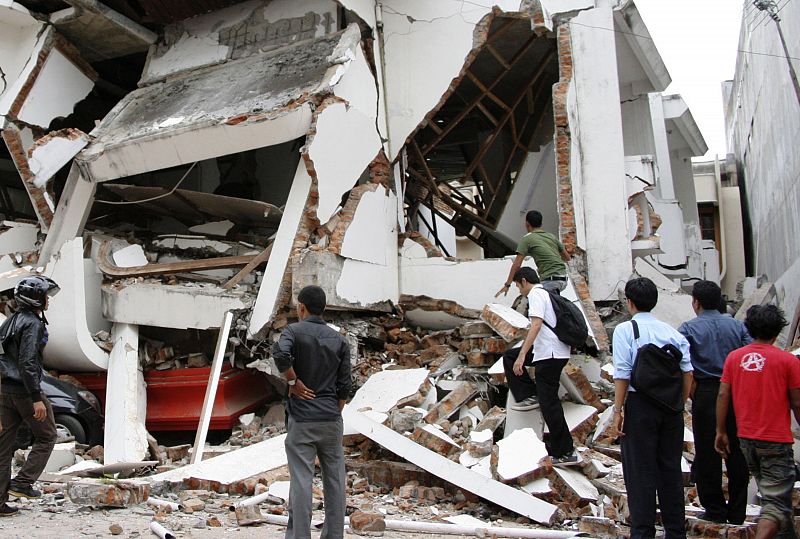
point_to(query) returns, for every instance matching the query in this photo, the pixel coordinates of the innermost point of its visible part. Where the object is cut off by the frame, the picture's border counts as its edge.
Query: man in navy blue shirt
(712, 336)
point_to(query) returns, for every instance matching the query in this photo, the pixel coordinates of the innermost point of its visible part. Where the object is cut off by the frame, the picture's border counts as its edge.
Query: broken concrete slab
(386, 389)
(102, 493)
(130, 256)
(273, 289)
(196, 306)
(576, 383)
(232, 471)
(507, 322)
(508, 497)
(52, 152)
(519, 456)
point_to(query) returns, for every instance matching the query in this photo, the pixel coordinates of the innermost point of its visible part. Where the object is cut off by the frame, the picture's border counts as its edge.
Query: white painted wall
(600, 138)
(18, 31)
(471, 284)
(534, 189)
(344, 145)
(416, 78)
(763, 127)
(58, 87)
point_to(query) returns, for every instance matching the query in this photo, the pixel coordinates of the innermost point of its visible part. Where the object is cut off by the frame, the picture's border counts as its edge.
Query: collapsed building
(170, 163)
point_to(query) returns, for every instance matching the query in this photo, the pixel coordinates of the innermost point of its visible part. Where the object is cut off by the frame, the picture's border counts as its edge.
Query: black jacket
(24, 336)
(321, 359)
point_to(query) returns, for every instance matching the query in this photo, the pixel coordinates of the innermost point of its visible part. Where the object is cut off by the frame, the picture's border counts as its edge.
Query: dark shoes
(24, 491)
(570, 459)
(8, 511)
(531, 403)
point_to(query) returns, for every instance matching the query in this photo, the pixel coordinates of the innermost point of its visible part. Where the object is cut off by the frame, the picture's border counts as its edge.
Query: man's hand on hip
(301, 391)
(39, 411)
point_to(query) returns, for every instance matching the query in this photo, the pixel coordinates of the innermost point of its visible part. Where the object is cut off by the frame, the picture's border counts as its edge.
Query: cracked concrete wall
(236, 32)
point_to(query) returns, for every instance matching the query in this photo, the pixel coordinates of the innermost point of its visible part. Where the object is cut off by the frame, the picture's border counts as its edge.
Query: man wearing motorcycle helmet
(23, 338)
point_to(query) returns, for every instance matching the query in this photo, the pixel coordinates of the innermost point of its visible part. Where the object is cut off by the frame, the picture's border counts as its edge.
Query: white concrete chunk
(130, 256)
(383, 390)
(519, 454)
(49, 157)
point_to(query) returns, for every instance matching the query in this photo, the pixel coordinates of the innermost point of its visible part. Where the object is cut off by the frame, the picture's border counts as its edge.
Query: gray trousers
(304, 442)
(14, 410)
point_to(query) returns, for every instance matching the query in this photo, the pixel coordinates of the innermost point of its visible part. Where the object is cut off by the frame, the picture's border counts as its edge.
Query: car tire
(73, 426)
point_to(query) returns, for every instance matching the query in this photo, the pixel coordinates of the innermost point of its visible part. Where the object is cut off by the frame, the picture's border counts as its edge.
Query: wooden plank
(211, 388)
(260, 258)
(509, 497)
(109, 268)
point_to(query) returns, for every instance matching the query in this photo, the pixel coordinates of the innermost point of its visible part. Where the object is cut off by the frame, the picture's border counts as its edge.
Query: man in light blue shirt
(652, 438)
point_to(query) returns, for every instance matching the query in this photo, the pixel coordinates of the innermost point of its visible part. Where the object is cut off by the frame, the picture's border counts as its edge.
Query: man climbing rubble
(23, 337)
(316, 362)
(550, 356)
(651, 431)
(764, 383)
(548, 253)
(712, 336)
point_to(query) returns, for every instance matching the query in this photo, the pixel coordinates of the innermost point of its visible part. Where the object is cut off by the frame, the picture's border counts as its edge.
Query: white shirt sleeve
(537, 303)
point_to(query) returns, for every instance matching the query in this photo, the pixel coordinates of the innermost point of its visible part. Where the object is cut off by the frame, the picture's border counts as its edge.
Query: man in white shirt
(550, 356)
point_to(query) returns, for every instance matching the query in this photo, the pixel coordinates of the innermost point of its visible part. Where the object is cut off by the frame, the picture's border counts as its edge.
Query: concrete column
(602, 199)
(665, 182)
(126, 399)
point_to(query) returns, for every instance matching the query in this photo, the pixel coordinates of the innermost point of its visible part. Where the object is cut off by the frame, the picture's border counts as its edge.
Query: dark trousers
(651, 463)
(521, 386)
(707, 466)
(14, 409)
(548, 375)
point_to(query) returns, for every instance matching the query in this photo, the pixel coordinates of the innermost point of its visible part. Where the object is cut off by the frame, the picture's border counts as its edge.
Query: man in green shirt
(548, 253)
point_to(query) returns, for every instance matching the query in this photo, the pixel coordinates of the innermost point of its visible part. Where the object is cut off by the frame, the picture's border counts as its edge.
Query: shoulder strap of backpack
(635, 330)
(551, 328)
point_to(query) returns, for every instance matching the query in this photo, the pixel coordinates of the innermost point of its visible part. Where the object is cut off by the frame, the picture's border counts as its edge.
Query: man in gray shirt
(316, 362)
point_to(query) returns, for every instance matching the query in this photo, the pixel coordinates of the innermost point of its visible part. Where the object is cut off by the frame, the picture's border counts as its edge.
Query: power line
(651, 39)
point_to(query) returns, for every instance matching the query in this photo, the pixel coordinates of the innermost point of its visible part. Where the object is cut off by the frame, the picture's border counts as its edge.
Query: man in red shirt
(764, 382)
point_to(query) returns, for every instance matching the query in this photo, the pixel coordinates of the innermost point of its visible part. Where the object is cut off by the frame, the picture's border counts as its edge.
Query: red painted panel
(175, 397)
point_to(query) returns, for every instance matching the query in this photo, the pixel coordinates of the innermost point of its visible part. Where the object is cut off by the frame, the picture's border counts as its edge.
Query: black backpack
(570, 326)
(657, 374)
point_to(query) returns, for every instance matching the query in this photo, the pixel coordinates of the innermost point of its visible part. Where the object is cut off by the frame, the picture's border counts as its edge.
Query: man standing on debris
(548, 253)
(23, 338)
(550, 356)
(764, 382)
(712, 336)
(652, 437)
(316, 362)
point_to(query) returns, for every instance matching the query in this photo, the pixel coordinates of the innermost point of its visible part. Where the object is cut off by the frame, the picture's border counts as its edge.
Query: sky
(698, 40)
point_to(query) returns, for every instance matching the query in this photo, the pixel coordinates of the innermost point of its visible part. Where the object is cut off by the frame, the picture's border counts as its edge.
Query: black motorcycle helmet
(32, 292)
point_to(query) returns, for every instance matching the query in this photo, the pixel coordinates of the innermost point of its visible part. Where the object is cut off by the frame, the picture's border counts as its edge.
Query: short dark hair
(313, 297)
(643, 293)
(764, 322)
(529, 274)
(534, 218)
(708, 294)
